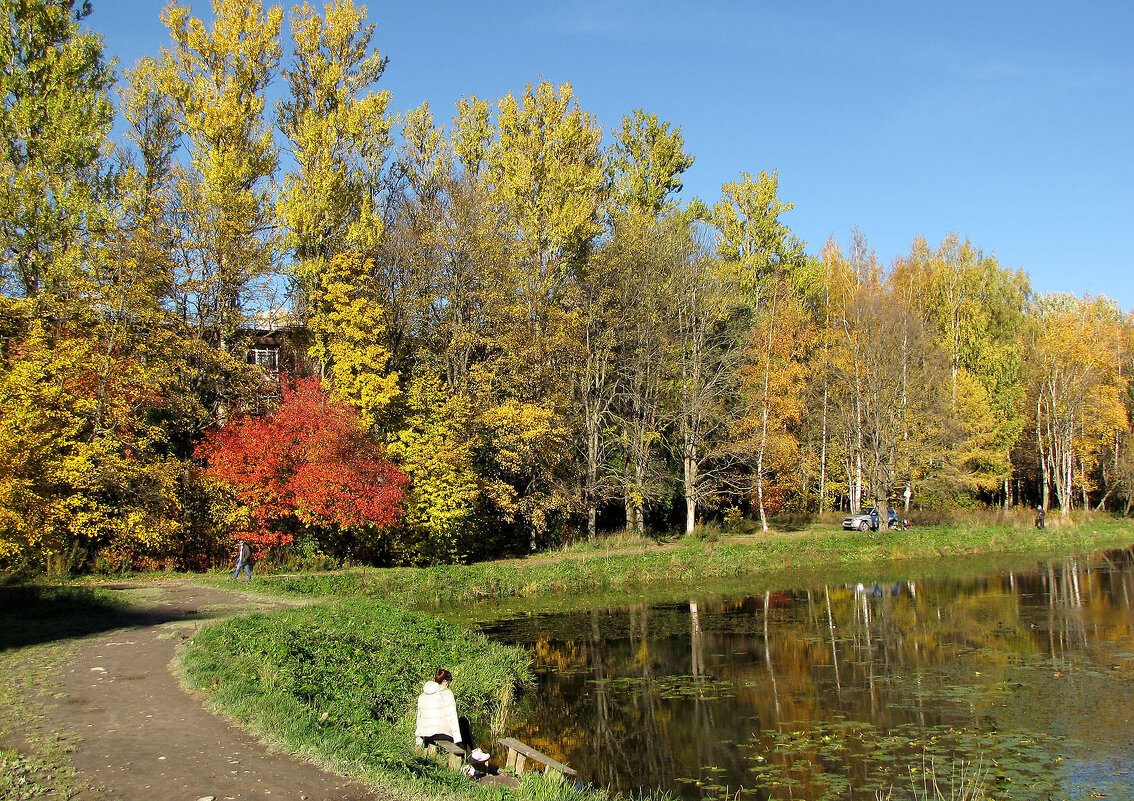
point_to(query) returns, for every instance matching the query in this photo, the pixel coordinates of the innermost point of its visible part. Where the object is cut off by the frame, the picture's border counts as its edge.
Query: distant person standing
(1041, 515)
(244, 559)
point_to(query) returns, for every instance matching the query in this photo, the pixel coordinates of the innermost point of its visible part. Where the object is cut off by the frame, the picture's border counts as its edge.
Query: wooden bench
(519, 754)
(456, 754)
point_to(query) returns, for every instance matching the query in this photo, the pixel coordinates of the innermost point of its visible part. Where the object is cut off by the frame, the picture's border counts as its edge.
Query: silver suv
(868, 519)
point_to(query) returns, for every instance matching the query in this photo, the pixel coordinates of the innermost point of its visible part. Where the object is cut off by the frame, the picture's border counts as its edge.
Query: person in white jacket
(437, 710)
(437, 716)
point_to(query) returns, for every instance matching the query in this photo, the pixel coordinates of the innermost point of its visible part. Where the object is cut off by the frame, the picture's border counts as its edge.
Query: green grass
(691, 561)
(338, 685)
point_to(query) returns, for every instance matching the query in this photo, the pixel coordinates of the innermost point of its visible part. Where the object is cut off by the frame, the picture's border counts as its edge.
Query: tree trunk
(823, 454)
(1083, 485)
(1045, 494)
(592, 479)
(690, 496)
(764, 418)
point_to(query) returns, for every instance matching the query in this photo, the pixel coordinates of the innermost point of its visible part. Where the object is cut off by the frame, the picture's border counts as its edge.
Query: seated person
(437, 717)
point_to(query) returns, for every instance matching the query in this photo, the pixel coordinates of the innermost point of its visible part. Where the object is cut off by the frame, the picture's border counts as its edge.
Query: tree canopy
(402, 337)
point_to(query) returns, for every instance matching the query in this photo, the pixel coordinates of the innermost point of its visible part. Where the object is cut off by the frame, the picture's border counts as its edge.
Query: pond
(1023, 678)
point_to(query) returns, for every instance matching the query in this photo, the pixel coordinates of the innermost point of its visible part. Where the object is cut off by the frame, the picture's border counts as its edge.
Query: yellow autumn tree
(1074, 350)
(347, 326)
(338, 131)
(226, 237)
(975, 311)
(769, 261)
(81, 468)
(434, 448)
(543, 177)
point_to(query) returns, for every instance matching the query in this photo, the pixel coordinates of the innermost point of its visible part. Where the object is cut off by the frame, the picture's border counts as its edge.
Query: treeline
(513, 302)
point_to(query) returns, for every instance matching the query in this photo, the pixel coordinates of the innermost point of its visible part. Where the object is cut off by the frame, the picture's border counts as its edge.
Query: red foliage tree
(309, 461)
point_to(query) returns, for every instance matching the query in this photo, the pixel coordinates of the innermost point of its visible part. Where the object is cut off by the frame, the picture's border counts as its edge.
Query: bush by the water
(339, 682)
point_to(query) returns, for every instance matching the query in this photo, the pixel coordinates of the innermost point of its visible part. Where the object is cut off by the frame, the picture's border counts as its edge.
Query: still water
(1022, 677)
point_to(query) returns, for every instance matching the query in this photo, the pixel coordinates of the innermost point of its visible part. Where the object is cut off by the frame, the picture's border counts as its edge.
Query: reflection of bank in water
(720, 692)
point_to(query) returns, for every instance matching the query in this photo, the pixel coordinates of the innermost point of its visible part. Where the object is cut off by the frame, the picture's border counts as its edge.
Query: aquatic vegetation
(669, 688)
(859, 760)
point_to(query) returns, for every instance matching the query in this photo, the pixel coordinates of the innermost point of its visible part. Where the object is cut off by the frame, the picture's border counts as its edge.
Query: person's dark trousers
(466, 736)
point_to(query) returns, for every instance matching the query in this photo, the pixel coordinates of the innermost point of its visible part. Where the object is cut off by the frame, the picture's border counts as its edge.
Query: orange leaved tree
(309, 465)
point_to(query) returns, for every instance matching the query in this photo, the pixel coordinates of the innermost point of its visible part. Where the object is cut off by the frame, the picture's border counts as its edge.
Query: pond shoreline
(594, 576)
(689, 561)
(840, 689)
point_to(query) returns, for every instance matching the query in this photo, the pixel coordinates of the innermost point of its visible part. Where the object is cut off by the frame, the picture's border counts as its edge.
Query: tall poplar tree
(767, 258)
(617, 390)
(544, 174)
(338, 132)
(54, 122)
(217, 78)
(331, 205)
(647, 160)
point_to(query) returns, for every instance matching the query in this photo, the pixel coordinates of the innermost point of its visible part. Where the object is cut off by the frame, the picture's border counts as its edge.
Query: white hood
(437, 712)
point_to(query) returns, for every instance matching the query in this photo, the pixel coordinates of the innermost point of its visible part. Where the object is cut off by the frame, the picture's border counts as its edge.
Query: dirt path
(141, 737)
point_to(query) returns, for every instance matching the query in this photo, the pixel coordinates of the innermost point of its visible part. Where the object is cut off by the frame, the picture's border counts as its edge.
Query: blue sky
(1009, 123)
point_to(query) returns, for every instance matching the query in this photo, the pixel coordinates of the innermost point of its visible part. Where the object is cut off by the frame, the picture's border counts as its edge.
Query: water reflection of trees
(648, 696)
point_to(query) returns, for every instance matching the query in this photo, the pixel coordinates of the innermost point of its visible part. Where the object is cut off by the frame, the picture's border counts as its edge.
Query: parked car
(868, 519)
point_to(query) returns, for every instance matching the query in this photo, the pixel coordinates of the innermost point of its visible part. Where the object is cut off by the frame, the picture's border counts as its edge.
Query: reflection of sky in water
(1109, 778)
(835, 692)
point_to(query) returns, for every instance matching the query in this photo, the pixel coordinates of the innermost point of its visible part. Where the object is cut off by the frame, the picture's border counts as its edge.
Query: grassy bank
(336, 682)
(338, 685)
(691, 561)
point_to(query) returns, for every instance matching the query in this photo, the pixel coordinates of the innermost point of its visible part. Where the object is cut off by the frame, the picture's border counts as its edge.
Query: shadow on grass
(34, 614)
(792, 522)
